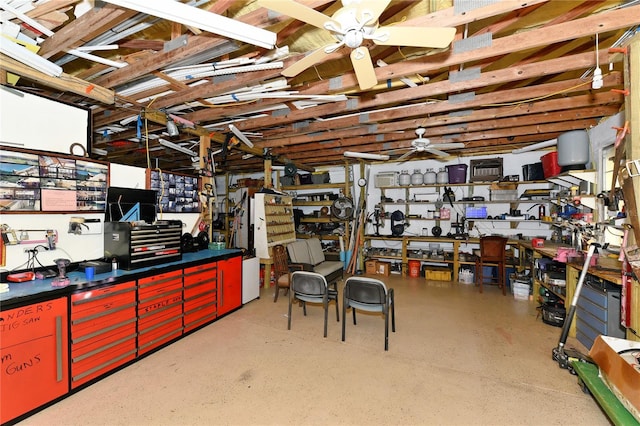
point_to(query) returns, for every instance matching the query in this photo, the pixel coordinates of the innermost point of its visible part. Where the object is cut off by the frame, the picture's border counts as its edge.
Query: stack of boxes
(377, 267)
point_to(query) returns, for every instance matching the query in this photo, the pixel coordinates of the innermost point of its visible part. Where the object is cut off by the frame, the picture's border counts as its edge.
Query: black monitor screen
(120, 201)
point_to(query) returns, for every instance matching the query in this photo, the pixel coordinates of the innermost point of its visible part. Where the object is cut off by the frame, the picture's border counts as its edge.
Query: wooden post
(267, 173)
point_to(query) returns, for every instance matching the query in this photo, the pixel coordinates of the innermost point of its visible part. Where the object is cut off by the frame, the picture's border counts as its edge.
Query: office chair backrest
(308, 283)
(365, 290)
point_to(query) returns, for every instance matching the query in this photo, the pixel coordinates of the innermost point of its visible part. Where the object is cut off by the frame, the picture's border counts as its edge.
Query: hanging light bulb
(172, 127)
(597, 82)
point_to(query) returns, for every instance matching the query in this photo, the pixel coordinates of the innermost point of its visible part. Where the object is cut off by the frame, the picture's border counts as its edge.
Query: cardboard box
(384, 268)
(371, 267)
(614, 359)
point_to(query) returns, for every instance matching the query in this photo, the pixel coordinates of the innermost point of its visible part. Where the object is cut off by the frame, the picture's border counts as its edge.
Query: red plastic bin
(550, 166)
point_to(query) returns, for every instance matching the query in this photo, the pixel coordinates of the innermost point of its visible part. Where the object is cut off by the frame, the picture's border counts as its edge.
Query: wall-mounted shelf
(574, 177)
(320, 195)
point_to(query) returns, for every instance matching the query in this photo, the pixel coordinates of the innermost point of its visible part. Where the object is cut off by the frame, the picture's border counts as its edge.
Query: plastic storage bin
(457, 173)
(532, 172)
(520, 290)
(437, 273)
(550, 165)
(476, 212)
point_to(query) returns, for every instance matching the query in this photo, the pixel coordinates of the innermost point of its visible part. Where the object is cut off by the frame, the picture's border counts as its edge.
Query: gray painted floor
(457, 358)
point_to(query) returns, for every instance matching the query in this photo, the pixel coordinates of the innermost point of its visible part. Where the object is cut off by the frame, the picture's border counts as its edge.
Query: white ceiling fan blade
(299, 11)
(308, 61)
(404, 156)
(362, 65)
(450, 145)
(414, 36)
(437, 152)
(240, 135)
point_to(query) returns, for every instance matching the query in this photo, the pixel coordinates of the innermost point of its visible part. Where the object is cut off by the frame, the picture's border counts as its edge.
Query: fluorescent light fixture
(177, 147)
(172, 127)
(95, 58)
(27, 57)
(24, 18)
(192, 16)
(99, 151)
(240, 135)
(365, 155)
(535, 146)
(88, 48)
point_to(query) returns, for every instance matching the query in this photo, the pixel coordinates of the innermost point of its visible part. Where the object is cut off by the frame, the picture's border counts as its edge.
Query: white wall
(512, 165)
(82, 247)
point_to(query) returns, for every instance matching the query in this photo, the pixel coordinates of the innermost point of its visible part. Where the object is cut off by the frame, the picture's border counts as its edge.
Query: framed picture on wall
(41, 182)
(177, 193)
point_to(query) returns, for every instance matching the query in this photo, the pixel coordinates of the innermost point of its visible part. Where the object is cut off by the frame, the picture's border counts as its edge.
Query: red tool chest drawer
(199, 311)
(200, 295)
(150, 286)
(159, 310)
(159, 333)
(103, 330)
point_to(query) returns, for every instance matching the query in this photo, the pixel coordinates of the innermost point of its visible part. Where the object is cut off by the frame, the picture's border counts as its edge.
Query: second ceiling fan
(351, 25)
(422, 144)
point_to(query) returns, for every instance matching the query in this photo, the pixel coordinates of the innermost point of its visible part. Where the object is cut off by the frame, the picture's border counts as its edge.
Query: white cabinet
(273, 221)
(250, 279)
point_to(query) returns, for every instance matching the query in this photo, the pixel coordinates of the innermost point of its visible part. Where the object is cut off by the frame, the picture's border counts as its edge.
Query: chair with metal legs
(371, 295)
(311, 287)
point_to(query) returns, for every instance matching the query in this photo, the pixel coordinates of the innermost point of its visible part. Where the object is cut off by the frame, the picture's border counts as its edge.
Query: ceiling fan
(351, 25)
(422, 144)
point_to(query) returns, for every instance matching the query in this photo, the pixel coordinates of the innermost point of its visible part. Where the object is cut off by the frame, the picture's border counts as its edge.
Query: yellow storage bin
(432, 273)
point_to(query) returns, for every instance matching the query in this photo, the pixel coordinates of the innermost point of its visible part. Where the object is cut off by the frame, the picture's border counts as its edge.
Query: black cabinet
(136, 246)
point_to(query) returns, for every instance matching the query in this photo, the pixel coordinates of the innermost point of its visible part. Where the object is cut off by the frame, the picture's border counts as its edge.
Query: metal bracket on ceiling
(462, 113)
(461, 7)
(175, 43)
(472, 43)
(464, 75)
(462, 97)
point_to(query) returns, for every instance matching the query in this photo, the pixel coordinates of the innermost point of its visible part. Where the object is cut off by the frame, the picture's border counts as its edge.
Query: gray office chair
(311, 287)
(369, 294)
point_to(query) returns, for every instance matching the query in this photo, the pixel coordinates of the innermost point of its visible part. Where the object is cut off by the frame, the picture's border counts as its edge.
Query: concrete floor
(457, 358)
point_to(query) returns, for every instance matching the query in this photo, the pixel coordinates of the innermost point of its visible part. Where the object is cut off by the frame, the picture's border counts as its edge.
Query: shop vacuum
(563, 356)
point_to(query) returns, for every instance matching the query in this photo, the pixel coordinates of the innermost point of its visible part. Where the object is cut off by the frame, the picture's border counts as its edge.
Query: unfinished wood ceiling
(517, 73)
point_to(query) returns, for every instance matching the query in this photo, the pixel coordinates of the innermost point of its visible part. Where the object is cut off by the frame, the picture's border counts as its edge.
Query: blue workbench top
(39, 289)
